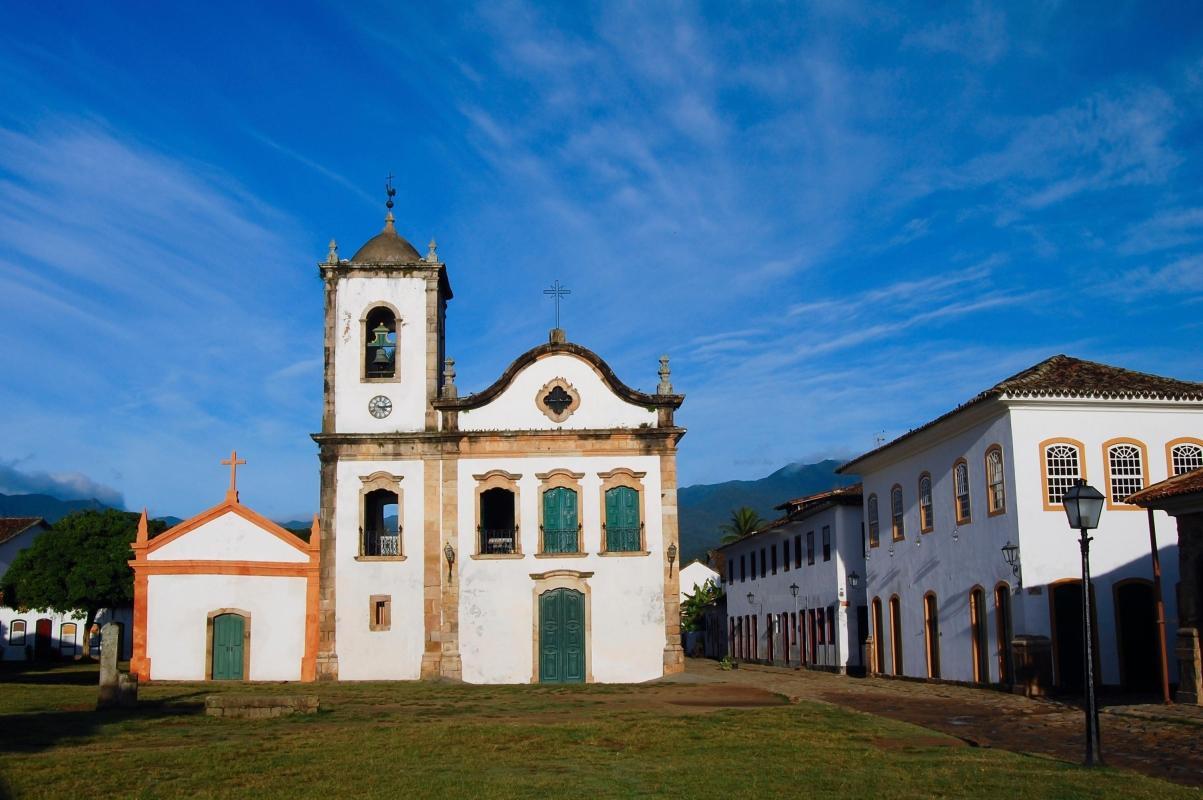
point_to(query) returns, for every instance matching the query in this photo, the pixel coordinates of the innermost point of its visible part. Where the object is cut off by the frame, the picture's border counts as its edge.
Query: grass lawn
(434, 740)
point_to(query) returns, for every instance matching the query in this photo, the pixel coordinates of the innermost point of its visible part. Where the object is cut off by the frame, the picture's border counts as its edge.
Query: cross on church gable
(233, 462)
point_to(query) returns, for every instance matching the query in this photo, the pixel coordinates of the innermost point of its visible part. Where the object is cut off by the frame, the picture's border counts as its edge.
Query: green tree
(78, 566)
(744, 522)
(694, 606)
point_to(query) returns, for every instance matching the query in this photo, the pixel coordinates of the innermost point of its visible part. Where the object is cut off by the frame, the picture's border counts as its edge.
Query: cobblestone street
(1152, 739)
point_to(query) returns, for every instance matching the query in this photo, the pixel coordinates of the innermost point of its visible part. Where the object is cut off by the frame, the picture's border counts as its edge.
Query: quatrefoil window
(557, 399)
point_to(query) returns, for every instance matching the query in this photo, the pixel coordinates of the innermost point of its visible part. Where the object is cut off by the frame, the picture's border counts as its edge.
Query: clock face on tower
(380, 406)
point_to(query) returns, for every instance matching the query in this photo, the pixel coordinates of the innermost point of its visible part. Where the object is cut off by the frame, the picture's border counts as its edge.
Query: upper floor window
(380, 344)
(1185, 455)
(960, 486)
(622, 501)
(1062, 465)
(774, 553)
(926, 520)
(798, 551)
(497, 514)
(810, 547)
(763, 564)
(561, 524)
(743, 568)
(1125, 470)
(996, 493)
(785, 554)
(896, 526)
(826, 542)
(871, 514)
(380, 516)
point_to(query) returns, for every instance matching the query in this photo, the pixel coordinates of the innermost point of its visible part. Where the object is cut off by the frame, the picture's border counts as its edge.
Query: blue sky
(839, 219)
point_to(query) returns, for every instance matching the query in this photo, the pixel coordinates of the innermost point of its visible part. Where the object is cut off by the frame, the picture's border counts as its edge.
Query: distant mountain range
(703, 507)
(43, 505)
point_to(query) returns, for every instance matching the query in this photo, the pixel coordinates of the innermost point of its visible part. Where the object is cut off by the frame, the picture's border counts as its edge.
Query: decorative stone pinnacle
(432, 254)
(557, 336)
(665, 386)
(332, 256)
(449, 389)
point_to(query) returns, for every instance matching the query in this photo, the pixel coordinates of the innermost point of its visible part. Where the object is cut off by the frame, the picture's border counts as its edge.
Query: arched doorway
(931, 631)
(879, 638)
(1065, 609)
(1002, 631)
(896, 634)
(229, 645)
(562, 636)
(1136, 634)
(977, 633)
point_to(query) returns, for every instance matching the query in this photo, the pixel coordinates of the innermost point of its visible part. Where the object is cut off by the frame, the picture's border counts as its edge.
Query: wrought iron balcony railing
(381, 543)
(498, 541)
(623, 538)
(561, 540)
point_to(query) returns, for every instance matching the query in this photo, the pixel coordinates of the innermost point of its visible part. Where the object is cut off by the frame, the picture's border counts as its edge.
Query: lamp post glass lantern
(1011, 555)
(854, 579)
(1083, 507)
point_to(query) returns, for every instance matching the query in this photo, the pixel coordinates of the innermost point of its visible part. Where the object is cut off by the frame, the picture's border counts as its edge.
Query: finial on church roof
(332, 255)
(143, 536)
(233, 462)
(665, 386)
(391, 192)
(432, 252)
(449, 390)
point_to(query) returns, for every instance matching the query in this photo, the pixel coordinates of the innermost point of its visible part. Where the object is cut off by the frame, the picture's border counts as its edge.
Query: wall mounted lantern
(1011, 554)
(672, 557)
(449, 554)
(854, 579)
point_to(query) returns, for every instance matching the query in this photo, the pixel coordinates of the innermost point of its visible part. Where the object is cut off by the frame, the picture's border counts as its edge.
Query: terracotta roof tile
(12, 527)
(850, 494)
(1063, 376)
(1186, 483)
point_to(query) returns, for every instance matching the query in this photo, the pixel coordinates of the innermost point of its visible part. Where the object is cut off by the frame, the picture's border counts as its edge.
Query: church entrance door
(562, 636)
(227, 647)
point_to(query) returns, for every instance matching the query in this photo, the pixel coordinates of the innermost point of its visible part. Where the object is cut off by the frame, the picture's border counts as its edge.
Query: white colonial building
(38, 635)
(794, 593)
(694, 576)
(524, 533)
(942, 501)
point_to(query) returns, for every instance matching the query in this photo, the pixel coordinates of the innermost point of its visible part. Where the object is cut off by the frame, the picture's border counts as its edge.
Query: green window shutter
(559, 521)
(622, 519)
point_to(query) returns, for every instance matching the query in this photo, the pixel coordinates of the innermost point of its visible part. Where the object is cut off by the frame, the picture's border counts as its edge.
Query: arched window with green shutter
(560, 524)
(622, 520)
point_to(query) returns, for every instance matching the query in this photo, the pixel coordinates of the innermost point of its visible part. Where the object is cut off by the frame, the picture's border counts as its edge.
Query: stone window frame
(363, 343)
(24, 632)
(561, 579)
(497, 479)
(550, 413)
(1173, 444)
(562, 478)
(381, 479)
(246, 640)
(1114, 503)
(926, 504)
(994, 509)
(957, 484)
(622, 476)
(387, 623)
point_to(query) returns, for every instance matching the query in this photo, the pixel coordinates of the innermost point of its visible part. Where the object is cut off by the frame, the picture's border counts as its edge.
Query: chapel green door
(562, 636)
(559, 521)
(227, 647)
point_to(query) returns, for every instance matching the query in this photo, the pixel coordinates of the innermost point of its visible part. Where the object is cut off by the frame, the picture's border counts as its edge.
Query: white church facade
(524, 533)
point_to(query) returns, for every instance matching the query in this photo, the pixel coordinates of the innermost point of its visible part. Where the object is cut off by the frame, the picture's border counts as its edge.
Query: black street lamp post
(1083, 507)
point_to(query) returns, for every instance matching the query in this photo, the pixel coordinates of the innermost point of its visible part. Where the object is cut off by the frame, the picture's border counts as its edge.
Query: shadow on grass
(50, 674)
(31, 733)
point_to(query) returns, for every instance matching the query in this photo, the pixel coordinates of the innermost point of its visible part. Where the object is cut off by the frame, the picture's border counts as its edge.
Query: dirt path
(1170, 749)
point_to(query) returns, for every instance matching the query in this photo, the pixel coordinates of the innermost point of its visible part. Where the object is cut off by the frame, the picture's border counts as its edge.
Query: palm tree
(744, 522)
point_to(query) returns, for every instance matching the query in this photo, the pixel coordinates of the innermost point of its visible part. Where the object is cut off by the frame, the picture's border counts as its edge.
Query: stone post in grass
(116, 688)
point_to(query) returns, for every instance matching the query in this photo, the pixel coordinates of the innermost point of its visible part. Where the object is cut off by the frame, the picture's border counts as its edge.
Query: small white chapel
(523, 533)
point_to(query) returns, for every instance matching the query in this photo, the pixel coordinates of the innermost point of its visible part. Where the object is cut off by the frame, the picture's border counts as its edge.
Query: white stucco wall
(820, 585)
(177, 623)
(694, 575)
(497, 604)
(396, 653)
(229, 537)
(953, 558)
(356, 295)
(515, 409)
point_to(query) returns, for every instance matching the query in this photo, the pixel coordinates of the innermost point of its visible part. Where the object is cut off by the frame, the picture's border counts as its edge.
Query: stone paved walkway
(1166, 743)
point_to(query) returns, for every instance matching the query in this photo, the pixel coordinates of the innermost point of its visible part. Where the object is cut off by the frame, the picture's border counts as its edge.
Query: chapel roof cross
(232, 462)
(557, 291)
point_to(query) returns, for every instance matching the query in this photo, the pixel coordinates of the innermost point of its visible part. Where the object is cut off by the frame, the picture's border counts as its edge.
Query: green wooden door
(562, 636)
(622, 519)
(559, 521)
(227, 647)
